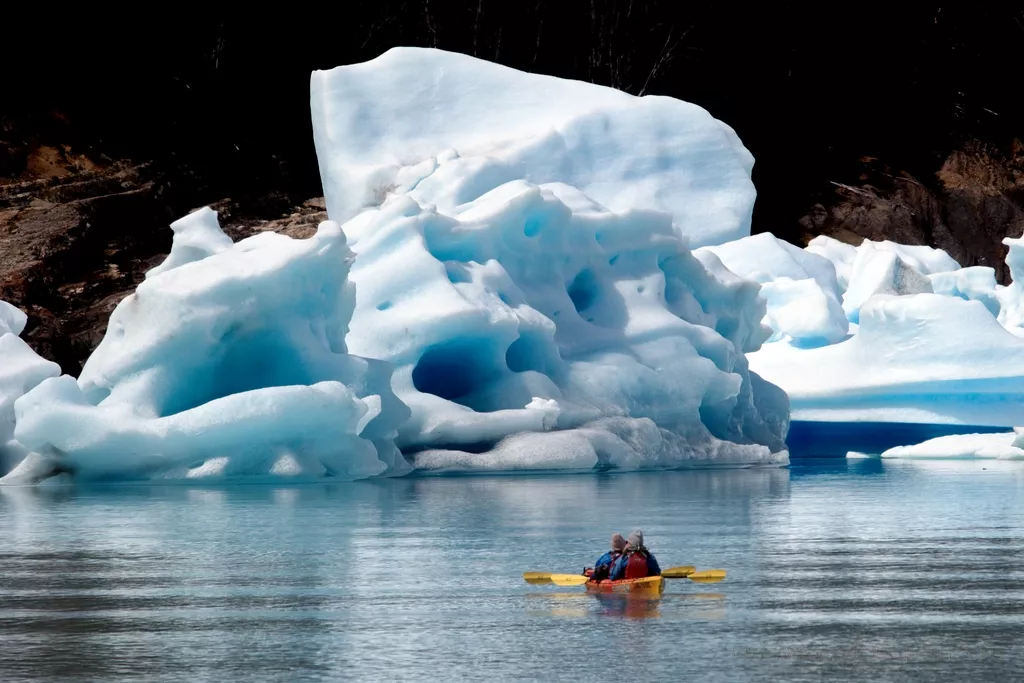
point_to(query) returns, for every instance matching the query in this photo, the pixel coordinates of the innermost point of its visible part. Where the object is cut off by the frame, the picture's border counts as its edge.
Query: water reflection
(420, 579)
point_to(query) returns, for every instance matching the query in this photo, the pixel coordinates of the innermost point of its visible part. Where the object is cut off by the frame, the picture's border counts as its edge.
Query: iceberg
(880, 271)
(505, 283)
(12, 319)
(975, 283)
(1002, 446)
(446, 128)
(919, 358)
(1011, 298)
(800, 287)
(21, 370)
(228, 361)
(533, 309)
(929, 343)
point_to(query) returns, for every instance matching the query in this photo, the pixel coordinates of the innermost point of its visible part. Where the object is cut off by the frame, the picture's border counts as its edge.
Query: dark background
(898, 120)
(810, 88)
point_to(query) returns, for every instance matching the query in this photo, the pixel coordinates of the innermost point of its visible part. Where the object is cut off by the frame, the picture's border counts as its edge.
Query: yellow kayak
(650, 587)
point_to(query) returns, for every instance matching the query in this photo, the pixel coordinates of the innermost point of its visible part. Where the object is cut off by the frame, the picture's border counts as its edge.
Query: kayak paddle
(557, 579)
(707, 576)
(678, 572)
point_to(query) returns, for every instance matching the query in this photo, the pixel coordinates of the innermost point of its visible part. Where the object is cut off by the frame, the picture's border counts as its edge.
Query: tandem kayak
(651, 586)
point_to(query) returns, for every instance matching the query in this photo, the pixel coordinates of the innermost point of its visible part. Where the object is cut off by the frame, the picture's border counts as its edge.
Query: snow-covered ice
(226, 362)
(880, 271)
(446, 128)
(21, 369)
(920, 358)
(1011, 298)
(535, 309)
(800, 287)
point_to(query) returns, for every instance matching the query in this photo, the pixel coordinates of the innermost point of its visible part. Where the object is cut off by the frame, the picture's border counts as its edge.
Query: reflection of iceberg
(522, 297)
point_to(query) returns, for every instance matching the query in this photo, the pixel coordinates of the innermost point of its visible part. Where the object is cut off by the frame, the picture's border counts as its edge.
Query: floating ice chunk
(447, 128)
(764, 258)
(801, 311)
(238, 355)
(1006, 446)
(841, 255)
(21, 369)
(800, 288)
(12, 319)
(977, 283)
(925, 260)
(1011, 298)
(196, 236)
(918, 358)
(880, 271)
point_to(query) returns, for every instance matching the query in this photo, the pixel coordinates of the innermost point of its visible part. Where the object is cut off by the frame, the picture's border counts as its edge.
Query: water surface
(843, 571)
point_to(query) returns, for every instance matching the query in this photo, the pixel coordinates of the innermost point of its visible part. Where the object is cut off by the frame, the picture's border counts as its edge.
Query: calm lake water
(844, 571)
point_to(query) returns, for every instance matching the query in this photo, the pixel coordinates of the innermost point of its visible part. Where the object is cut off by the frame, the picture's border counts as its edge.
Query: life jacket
(636, 565)
(602, 571)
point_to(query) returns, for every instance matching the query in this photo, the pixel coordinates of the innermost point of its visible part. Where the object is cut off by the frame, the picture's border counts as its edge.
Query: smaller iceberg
(21, 370)
(1003, 446)
(802, 292)
(229, 360)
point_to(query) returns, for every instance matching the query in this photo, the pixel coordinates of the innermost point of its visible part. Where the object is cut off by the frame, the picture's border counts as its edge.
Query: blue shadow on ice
(835, 439)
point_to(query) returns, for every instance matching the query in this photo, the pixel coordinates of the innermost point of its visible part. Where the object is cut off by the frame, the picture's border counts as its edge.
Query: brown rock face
(966, 208)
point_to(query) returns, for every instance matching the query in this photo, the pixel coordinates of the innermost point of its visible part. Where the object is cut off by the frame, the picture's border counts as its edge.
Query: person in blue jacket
(636, 562)
(604, 563)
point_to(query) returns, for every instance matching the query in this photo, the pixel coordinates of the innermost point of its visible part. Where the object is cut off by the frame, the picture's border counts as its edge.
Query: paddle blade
(678, 572)
(707, 576)
(537, 578)
(568, 579)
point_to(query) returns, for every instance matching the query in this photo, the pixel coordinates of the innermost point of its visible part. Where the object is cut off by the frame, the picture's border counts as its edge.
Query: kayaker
(603, 566)
(636, 562)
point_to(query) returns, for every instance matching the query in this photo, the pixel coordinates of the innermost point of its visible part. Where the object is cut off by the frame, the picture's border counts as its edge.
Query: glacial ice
(21, 369)
(918, 358)
(801, 289)
(880, 271)
(12, 319)
(534, 309)
(1011, 298)
(229, 360)
(512, 288)
(446, 128)
(1002, 446)
(975, 283)
(929, 342)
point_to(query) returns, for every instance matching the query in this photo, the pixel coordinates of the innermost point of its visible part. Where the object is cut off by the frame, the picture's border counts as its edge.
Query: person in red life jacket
(637, 562)
(603, 566)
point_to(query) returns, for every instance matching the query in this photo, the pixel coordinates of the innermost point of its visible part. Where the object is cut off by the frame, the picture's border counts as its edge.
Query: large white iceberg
(446, 128)
(520, 294)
